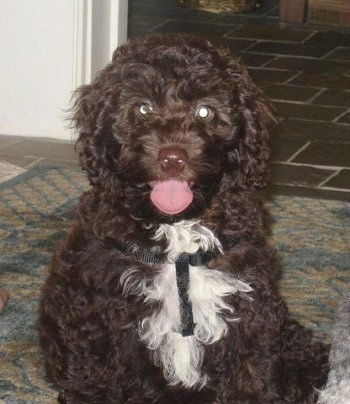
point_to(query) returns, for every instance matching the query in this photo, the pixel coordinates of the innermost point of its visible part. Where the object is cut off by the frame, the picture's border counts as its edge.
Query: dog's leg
(244, 368)
(262, 360)
(66, 398)
(305, 362)
(89, 333)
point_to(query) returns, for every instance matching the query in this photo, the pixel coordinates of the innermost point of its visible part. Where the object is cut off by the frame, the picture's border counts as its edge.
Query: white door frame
(99, 27)
(48, 49)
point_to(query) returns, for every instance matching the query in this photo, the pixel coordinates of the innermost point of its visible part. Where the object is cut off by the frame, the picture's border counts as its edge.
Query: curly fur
(337, 390)
(108, 323)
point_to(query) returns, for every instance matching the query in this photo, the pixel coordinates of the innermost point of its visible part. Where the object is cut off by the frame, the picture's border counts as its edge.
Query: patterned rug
(311, 236)
(8, 171)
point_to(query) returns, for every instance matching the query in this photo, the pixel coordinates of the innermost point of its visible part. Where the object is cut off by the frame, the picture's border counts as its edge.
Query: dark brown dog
(165, 290)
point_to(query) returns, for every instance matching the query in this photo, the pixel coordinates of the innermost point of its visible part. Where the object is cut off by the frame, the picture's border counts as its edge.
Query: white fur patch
(187, 236)
(181, 357)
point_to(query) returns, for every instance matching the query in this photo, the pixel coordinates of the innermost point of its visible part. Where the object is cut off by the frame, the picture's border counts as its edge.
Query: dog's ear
(250, 155)
(91, 117)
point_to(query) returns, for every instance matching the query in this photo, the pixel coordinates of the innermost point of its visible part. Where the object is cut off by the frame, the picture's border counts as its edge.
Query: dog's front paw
(61, 398)
(64, 398)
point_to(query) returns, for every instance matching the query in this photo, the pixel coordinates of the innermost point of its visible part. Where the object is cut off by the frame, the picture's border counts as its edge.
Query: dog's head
(168, 122)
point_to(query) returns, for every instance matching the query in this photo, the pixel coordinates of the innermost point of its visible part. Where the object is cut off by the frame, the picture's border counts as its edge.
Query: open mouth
(171, 196)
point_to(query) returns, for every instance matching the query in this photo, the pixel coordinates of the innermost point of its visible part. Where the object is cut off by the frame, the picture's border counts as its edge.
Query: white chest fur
(181, 357)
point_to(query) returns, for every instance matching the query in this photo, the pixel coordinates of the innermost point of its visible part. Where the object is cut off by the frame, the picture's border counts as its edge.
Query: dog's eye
(204, 112)
(145, 109)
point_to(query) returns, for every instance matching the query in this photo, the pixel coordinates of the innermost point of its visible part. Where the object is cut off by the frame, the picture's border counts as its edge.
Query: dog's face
(171, 120)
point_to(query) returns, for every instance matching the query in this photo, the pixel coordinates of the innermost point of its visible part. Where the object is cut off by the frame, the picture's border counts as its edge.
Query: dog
(337, 390)
(165, 290)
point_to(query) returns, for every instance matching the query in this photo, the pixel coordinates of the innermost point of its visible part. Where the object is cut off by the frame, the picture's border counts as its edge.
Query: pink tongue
(171, 196)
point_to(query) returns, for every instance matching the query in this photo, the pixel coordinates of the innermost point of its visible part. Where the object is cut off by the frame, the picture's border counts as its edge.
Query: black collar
(197, 259)
(182, 264)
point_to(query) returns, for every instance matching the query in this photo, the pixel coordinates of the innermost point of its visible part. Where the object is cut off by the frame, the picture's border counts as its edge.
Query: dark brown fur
(87, 326)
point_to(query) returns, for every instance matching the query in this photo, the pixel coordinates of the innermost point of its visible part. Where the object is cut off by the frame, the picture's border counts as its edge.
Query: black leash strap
(182, 265)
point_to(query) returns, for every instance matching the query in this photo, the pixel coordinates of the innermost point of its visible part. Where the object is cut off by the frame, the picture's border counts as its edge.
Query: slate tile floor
(303, 69)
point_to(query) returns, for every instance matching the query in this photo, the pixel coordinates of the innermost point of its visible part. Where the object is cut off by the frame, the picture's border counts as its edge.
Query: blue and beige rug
(312, 238)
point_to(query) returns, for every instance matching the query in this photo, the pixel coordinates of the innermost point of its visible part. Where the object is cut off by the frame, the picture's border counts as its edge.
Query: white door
(47, 49)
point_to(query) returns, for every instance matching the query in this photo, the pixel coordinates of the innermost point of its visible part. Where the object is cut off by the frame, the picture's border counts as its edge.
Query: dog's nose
(172, 159)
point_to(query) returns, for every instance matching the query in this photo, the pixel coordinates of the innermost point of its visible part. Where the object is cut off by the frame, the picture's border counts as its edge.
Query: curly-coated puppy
(165, 290)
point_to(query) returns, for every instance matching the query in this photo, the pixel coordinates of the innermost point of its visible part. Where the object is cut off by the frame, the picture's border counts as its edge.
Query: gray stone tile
(325, 154)
(235, 45)
(333, 97)
(341, 180)
(271, 75)
(283, 48)
(270, 32)
(255, 59)
(322, 80)
(319, 193)
(50, 149)
(18, 160)
(6, 141)
(341, 53)
(196, 28)
(329, 38)
(137, 33)
(287, 92)
(235, 18)
(310, 65)
(284, 149)
(143, 22)
(299, 175)
(140, 7)
(137, 6)
(313, 131)
(309, 112)
(345, 118)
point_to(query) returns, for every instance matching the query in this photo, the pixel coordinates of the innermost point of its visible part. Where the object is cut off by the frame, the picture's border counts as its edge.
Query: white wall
(109, 29)
(47, 48)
